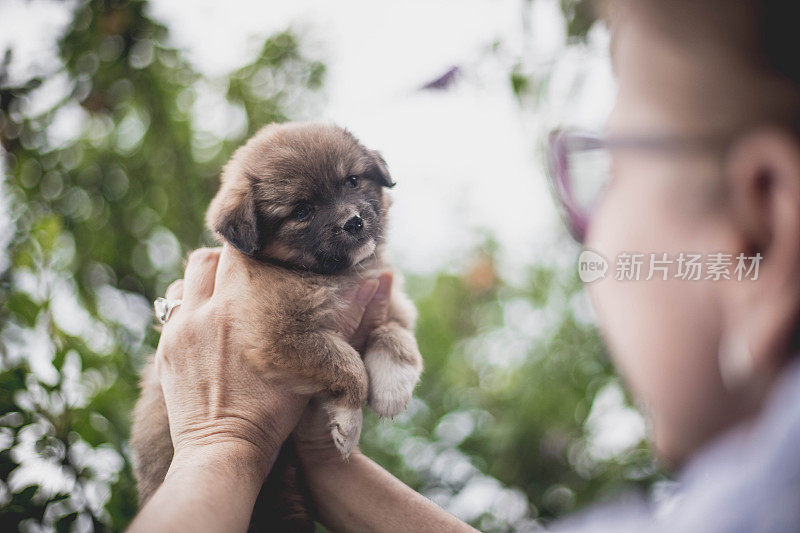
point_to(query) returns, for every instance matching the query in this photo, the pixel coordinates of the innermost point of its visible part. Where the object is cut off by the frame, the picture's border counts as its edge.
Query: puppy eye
(301, 211)
(352, 181)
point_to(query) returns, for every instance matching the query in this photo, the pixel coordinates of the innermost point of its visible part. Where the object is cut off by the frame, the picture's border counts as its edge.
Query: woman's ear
(233, 216)
(380, 170)
(763, 174)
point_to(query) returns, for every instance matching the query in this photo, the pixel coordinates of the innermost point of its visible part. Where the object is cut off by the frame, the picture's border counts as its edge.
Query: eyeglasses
(580, 167)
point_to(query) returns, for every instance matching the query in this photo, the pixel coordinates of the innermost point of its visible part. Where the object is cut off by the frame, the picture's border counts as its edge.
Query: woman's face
(663, 335)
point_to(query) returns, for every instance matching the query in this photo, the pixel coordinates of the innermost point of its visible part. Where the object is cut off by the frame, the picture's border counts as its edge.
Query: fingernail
(366, 292)
(384, 286)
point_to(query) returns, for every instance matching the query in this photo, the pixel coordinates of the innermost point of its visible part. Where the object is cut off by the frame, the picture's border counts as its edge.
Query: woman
(705, 156)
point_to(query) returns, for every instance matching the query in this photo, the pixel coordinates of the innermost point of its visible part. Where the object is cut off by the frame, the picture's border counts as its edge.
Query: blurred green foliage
(500, 430)
(512, 372)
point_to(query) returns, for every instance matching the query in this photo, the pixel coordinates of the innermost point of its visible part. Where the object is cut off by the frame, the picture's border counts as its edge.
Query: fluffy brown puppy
(306, 206)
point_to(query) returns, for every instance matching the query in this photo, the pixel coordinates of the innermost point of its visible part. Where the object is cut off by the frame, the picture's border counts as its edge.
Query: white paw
(345, 428)
(391, 382)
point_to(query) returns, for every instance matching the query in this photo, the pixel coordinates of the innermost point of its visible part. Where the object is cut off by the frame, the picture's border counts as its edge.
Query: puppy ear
(238, 224)
(381, 170)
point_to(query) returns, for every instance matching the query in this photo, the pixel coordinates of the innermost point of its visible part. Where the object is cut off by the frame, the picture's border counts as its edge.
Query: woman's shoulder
(749, 480)
(746, 480)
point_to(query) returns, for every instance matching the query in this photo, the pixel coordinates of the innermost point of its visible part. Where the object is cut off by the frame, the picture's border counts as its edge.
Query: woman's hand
(367, 310)
(214, 399)
(226, 420)
(358, 495)
(217, 404)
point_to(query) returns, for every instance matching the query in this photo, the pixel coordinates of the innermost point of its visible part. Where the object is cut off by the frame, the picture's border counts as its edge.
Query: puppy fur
(305, 206)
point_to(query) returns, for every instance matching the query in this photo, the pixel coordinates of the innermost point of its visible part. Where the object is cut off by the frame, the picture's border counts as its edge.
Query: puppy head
(303, 194)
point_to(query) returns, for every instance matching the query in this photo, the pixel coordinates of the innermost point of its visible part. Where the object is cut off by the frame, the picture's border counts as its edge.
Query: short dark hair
(760, 37)
(763, 33)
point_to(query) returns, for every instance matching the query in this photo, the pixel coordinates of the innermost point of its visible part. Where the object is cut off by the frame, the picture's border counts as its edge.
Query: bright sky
(465, 159)
(462, 158)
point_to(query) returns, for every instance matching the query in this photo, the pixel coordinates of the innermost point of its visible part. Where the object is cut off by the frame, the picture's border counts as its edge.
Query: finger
(175, 290)
(198, 281)
(384, 291)
(226, 270)
(351, 317)
(376, 312)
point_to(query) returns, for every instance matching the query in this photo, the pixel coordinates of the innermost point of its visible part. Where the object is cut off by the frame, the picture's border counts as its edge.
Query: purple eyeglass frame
(564, 142)
(561, 143)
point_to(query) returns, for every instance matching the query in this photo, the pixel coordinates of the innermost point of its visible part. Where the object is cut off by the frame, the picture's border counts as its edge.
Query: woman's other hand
(368, 309)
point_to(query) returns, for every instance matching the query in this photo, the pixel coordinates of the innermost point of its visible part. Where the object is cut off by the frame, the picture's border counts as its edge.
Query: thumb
(376, 312)
(352, 315)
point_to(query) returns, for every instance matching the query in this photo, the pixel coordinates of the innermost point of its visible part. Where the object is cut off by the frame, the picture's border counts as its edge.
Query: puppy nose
(354, 225)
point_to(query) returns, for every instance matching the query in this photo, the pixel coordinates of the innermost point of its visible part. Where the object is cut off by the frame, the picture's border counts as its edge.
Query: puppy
(305, 207)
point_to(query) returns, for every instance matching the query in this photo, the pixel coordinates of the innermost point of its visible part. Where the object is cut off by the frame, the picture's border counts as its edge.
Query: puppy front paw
(391, 381)
(345, 428)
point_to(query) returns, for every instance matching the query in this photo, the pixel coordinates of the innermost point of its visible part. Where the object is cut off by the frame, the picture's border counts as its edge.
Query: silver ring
(164, 307)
